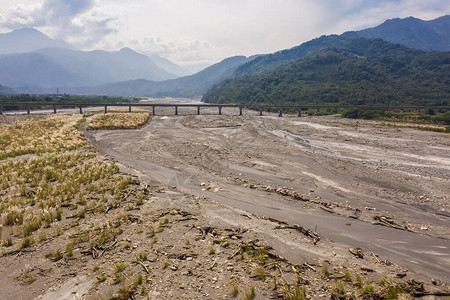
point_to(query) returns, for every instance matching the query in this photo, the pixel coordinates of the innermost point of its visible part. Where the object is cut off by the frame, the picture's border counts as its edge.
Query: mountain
(59, 67)
(265, 62)
(411, 32)
(169, 66)
(32, 62)
(188, 86)
(4, 90)
(28, 40)
(359, 71)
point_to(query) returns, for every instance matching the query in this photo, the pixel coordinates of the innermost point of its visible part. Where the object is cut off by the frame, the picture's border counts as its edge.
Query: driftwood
(144, 266)
(388, 221)
(309, 266)
(307, 232)
(94, 250)
(108, 248)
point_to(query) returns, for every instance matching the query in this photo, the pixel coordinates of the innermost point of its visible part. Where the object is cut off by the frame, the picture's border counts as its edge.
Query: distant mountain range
(411, 32)
(29, 40)
(127, 73)
(31, 62)
(188, 86)
(59, 67)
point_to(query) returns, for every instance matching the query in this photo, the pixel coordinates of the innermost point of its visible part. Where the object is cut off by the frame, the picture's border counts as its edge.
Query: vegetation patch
(119, 120)
(49, 134)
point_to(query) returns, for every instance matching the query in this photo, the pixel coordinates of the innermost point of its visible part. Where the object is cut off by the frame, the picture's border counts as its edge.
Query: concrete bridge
(176, 106)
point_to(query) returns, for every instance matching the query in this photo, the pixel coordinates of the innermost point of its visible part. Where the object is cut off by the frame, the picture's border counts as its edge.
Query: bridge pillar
(129, 108)
(81, 110)
(54, 109)
(153, 110)
(220, 110)
(280, 114)
(240, 111)
(176, 110)
(28, 109)
(1, 109)
(260, 111)
(106, 109)
(198, 110)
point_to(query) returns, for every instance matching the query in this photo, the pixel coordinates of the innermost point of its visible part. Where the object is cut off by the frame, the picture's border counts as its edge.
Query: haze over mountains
(32, 62)
(28, 40)
(128, 73)
(188, 86)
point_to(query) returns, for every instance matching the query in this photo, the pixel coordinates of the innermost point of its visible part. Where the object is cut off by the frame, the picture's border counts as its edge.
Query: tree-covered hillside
(359, 71)
(410, 32)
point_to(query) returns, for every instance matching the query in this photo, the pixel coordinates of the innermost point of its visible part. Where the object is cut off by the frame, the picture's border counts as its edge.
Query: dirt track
(347, 172)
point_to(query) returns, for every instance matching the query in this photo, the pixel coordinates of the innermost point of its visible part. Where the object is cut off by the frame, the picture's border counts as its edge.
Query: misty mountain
(4, 90)
(358, 72)
(28, 40)
(59, 67)
(32, 62)
(188, 86)
(411, 32)
(169, 66)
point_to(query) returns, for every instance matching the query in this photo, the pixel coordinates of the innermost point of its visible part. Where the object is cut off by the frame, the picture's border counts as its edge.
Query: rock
(356, 252)
(173, 268)
(436, 281)
(366, 269)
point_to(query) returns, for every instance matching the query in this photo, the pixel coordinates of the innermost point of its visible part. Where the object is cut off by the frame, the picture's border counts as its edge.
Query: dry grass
(119, 120)
(41, 135)
(63, 180)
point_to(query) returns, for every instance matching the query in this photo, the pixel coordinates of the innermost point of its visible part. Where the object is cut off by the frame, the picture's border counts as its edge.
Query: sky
(202, 32)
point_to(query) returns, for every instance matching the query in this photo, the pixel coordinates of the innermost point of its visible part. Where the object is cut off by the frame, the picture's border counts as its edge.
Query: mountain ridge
(390, 30)
(28, 40)
(188, 86)
(59, 67)
(62, 65)
(358, 71)
(411, 32)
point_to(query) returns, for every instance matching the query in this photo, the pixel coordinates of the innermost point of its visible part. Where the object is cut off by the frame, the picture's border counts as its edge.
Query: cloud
(183, 50)
(77, 21)
(192, 31)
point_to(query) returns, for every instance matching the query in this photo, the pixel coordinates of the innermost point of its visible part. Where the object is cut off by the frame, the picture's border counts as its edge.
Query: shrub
(13, 218)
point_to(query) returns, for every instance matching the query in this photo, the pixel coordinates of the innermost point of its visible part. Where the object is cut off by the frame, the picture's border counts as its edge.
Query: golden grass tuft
(41, 135)
(117, 120)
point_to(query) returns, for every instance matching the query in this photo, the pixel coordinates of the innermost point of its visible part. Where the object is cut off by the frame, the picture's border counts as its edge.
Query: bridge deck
(260, 107)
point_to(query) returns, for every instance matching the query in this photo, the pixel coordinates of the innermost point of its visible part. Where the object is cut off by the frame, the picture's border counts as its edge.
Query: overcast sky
(192, 32)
